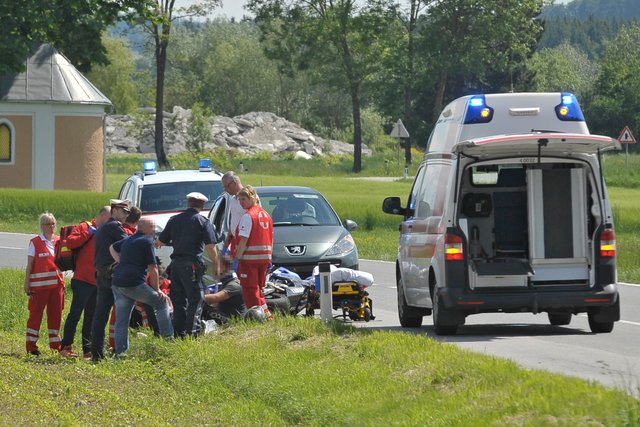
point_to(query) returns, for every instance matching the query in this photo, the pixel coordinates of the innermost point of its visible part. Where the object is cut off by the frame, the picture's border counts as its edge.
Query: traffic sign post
(626, 137)
(400, 132)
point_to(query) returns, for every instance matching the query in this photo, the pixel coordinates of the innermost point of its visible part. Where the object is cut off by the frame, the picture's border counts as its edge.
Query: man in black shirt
(110, 232)
(227, 302)
(189, 233)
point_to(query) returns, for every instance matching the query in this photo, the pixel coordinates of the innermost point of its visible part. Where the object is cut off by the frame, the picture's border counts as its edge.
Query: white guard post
(326, 297)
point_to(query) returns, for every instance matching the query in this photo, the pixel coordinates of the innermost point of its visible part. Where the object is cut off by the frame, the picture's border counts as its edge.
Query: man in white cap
(190, 234)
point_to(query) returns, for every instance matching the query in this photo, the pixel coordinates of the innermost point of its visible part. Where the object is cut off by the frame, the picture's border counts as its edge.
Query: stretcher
(349, 297)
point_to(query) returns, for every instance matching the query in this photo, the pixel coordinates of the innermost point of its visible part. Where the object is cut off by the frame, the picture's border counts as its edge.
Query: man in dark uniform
(227, 302)
(110, 232)
(190, 234)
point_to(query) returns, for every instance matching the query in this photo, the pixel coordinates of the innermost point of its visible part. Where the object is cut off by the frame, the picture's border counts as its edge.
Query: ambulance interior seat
(510, 214)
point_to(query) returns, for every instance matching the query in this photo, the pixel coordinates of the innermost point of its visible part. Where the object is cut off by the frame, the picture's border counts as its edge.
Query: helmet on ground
(255, 313)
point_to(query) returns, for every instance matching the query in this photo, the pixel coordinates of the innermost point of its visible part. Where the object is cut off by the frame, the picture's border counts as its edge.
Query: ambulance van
(508, 213)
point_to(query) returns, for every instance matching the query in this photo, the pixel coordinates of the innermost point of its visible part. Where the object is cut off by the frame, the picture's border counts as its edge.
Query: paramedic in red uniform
(253, 249)
(44, 284)
(83, 284)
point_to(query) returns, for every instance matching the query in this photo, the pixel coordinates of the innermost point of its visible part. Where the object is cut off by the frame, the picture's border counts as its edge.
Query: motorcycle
(286, 293)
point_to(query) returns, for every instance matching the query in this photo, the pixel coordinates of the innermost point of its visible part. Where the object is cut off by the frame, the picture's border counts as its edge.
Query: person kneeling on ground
(136, 256)
(227, 302)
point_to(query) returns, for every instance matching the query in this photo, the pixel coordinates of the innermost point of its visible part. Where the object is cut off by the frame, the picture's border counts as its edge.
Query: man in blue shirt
(136, 257)
(189, 233)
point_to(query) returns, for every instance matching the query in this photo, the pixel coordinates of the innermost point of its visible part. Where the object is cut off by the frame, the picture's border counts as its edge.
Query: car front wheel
(410, 317)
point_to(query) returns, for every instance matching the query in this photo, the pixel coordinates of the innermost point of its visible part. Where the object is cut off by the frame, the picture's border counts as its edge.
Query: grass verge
(292, 371)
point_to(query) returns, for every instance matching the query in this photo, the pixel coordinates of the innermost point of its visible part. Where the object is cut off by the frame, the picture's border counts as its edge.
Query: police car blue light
(205, 165)
(150, 167)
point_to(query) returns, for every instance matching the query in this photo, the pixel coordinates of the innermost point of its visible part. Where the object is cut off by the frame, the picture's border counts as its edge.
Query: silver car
(306, 229)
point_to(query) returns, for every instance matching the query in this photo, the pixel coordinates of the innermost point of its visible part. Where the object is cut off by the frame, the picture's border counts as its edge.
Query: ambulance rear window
(497, 176)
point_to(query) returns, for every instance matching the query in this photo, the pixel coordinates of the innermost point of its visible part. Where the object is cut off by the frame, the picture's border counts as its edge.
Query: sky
(232, 9)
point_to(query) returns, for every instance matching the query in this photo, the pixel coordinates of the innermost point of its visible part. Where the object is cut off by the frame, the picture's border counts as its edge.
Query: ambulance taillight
(453, 247)
(608, 243)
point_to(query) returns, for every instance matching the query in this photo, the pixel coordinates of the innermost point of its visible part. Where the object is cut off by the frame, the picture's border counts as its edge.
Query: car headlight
(342, 246)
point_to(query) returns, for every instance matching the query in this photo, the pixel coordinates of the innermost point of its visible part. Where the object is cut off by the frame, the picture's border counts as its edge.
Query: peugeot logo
(296, 250)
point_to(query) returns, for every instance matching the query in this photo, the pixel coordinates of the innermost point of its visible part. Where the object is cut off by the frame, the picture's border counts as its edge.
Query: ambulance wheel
(410, 317)
(601, 319)
(559, 319)
(439, 312)
(599, 327)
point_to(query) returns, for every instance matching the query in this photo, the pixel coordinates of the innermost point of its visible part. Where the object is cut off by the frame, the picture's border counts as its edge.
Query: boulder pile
(249, 134)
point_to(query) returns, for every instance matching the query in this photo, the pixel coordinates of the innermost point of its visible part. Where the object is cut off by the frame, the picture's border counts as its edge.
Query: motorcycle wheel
(278, 304)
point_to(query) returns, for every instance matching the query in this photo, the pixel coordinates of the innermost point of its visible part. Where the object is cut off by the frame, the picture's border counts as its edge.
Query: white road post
(326, 297)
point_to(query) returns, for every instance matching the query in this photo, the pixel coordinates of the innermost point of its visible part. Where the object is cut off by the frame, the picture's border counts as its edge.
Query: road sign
(399, 131)
(626, 137)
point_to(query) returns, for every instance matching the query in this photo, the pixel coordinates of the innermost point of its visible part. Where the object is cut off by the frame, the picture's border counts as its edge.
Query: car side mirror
(391, 205)
(350, 225)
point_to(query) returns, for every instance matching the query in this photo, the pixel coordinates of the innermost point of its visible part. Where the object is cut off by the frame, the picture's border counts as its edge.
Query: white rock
(301, 155)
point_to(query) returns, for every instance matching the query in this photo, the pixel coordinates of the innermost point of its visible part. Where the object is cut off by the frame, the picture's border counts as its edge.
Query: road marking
(9, 247)
(628, 322)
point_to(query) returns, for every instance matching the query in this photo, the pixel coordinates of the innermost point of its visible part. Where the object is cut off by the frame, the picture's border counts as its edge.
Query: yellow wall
(19, 174)
(79, 153)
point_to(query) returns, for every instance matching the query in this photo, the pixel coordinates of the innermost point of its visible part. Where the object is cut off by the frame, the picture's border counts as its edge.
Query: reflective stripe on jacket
(44, 272)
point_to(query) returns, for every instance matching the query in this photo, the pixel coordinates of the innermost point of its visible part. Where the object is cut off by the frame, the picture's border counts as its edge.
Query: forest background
(312, 64)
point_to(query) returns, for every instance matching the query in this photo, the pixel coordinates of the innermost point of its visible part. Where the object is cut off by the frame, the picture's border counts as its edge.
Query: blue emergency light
(478, 111)
(150, 167)
(205, 165)
(569, 110)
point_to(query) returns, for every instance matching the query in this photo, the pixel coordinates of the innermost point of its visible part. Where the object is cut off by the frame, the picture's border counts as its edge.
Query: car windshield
(298, 209)
(170, 196)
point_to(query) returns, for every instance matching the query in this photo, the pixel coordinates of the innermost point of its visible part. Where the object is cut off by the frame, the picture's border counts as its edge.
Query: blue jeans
(84, 299)
(126, 298)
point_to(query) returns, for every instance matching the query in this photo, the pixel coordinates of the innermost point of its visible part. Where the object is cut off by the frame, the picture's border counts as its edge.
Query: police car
(161, 195)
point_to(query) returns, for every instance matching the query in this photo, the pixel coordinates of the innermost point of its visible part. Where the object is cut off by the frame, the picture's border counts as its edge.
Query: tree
(561, 69)
(467, 40)
(74, 27)
(617, 86)
(339, 42)
(116, 80)
(157, 19)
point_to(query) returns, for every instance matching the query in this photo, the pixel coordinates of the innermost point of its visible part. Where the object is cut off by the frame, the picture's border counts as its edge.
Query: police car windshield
(298, 209)
(170, 197)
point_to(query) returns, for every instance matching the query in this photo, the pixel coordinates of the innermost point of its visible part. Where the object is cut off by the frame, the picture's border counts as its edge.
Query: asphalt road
(610, 359)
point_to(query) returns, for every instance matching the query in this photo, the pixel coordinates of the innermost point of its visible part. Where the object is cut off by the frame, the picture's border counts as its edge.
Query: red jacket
(81, 238)
(260, 241)
(44, 273)
(129, 229)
